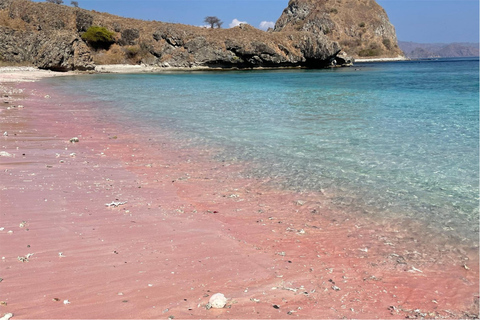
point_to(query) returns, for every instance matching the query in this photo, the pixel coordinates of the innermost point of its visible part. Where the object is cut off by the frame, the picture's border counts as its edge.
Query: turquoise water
(396, 138)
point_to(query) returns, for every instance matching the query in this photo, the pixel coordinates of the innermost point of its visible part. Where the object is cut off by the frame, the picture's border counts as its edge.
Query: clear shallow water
(395, 138)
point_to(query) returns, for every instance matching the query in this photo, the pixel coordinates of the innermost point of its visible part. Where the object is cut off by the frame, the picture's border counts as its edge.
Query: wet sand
(123, 225)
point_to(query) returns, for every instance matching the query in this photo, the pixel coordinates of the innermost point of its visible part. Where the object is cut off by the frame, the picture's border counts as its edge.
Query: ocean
(386, 139)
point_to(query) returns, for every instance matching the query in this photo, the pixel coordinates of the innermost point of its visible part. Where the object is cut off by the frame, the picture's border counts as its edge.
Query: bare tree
(55, 1)
(213, 21)
(74, 3)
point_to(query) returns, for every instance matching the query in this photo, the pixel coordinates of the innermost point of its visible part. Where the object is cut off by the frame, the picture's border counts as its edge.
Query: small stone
(217, 301)
(74, 140)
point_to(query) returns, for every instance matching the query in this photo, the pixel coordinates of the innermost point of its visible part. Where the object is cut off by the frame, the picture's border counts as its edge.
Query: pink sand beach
(120, 226)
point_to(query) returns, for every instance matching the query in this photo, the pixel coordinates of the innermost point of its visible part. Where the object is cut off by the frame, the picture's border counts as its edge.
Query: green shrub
(99, 37)
(369, 52)
(361, 24)
(387, 43)
(131, 51)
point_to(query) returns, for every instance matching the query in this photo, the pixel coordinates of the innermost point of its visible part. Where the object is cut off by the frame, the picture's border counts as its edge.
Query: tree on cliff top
(213, 21)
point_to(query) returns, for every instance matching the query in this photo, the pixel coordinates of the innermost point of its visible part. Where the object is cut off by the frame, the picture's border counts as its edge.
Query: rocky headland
(309, 34)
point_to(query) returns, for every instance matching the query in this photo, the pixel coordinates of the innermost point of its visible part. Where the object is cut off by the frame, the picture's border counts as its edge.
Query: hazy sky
(414, 20)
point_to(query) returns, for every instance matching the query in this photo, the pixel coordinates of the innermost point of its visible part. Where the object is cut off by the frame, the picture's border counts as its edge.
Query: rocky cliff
(361, 27)
(50, 36)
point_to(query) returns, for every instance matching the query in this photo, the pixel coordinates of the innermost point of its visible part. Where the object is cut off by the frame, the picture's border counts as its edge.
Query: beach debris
(217, 301)
(55, 299)
(415, 270)
(255, 300)
(6, 316)
(22, 224)
(66, 302)
(25, 258)
(5, 154)
(281, 253)
(115, 203)
(5, 134)
(3, 303)
(2, 228)
(47, 96)
(74, 140)
(334, 287)
(300, 202)
(60, 255)
(466, 267)
(10, 232)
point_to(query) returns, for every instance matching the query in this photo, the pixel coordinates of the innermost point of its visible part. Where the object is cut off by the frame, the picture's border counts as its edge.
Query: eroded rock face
(241, 47)
(361, 27)
(60, 52)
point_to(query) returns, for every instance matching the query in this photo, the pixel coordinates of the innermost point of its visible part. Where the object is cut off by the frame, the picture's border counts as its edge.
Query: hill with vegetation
(361, 27)
(59, 37)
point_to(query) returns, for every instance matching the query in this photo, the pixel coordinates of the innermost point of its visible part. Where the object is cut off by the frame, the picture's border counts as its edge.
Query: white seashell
(217, 301)
(7, 316)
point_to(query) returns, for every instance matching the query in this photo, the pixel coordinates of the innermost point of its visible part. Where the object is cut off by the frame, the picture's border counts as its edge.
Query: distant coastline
(415, 50)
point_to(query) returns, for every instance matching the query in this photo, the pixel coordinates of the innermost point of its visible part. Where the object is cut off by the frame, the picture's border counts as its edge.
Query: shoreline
(362, 60)
(146, 230)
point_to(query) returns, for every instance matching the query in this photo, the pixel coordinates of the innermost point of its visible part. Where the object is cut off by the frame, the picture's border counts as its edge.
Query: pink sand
(192, 227)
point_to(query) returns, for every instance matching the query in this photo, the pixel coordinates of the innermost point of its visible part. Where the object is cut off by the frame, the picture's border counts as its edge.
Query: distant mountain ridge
(415, 50)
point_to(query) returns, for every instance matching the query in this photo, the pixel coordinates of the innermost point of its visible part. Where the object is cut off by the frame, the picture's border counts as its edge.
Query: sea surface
(395, 139)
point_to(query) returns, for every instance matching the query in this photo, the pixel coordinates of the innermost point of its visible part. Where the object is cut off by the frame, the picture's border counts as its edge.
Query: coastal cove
(349, 192)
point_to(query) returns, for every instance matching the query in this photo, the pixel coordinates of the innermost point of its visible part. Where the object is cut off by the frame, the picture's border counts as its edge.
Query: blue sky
(425, 21)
